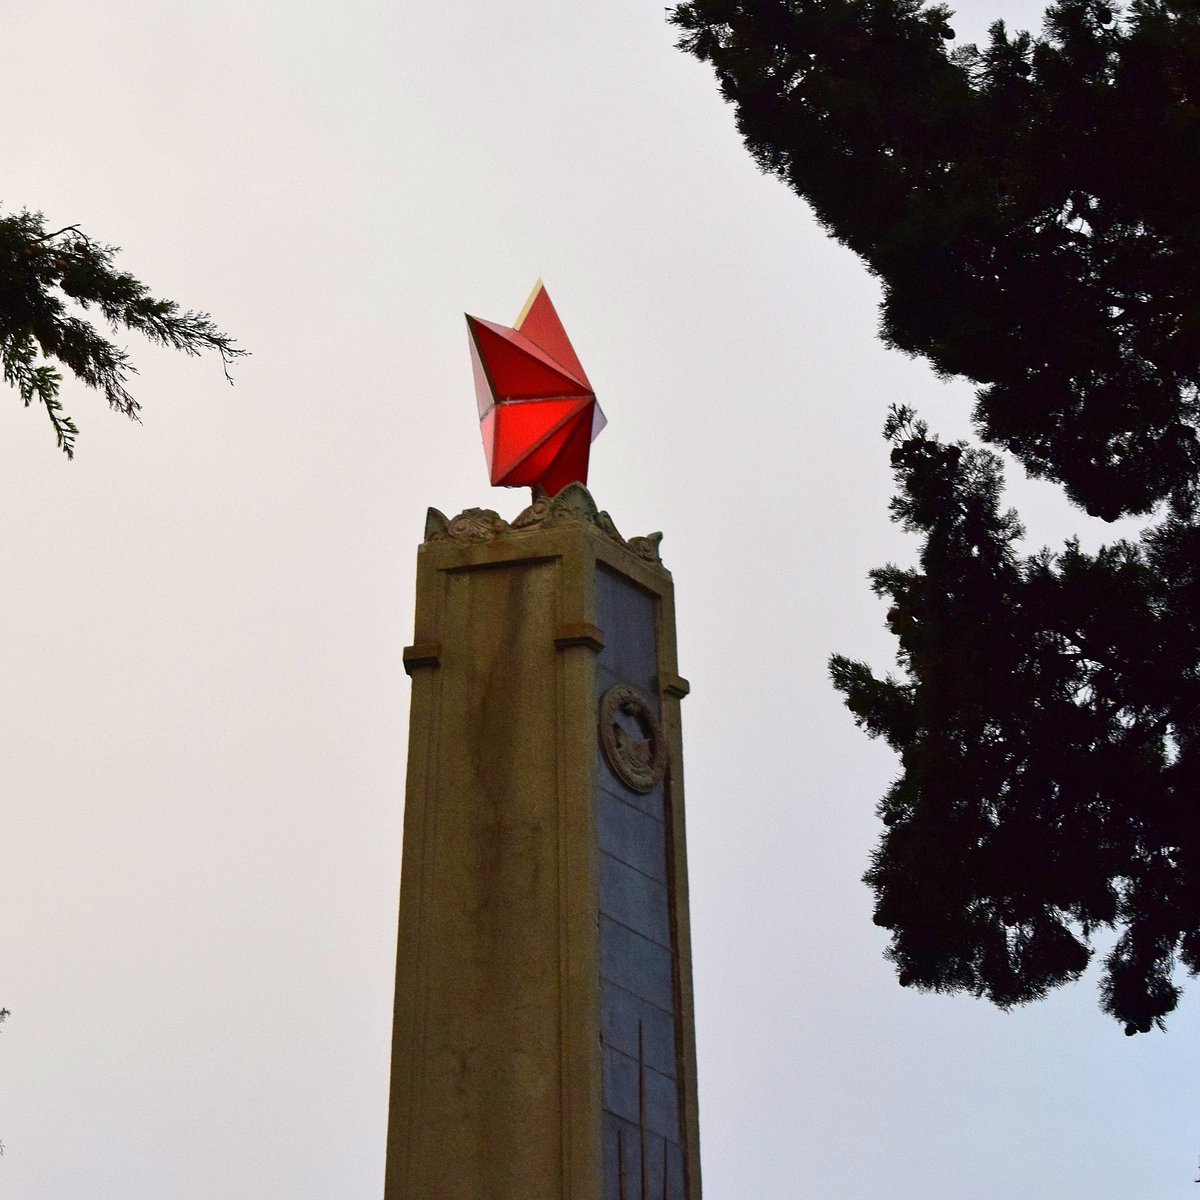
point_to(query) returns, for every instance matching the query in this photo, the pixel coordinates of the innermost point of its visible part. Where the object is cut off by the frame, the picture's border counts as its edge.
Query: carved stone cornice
(573, 505)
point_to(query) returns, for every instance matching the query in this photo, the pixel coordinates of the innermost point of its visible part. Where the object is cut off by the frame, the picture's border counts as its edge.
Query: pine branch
(43, 274)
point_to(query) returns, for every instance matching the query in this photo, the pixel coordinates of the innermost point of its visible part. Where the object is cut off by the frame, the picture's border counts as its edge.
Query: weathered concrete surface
(498, 1072)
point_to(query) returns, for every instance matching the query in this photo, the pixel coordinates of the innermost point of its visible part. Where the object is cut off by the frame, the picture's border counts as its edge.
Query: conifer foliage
(47, 278)
(1047, 727)
(1030, 210)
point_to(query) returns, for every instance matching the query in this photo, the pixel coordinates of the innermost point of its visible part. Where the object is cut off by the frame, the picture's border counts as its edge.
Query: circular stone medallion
(632, 738)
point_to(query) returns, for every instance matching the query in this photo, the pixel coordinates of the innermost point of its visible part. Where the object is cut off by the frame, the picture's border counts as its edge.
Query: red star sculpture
(537, 411)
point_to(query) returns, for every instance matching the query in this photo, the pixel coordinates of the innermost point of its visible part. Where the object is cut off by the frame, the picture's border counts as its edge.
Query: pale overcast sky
(204, 713)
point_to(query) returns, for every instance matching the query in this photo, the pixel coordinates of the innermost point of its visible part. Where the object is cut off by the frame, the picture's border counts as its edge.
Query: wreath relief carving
(632, 739)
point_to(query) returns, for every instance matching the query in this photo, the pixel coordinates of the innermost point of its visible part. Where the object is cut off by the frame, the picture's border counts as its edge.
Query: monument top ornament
(537, 411)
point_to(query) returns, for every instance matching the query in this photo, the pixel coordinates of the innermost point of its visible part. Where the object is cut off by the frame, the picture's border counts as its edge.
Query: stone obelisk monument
(543, 1043)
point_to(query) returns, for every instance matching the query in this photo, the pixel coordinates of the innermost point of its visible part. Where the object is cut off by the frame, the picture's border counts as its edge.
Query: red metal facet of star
(537, 411)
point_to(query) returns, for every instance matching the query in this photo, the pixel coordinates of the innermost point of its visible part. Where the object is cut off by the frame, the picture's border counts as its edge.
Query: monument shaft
(543, 1044)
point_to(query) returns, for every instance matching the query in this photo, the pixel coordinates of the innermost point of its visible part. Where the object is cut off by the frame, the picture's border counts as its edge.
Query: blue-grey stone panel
(622, 1149)
(633, 836)
(662, 1105)
(635, 900)
(673, 1165)
(608, 676)
(651, 803)
(621, 1012)
(623, 1094)
(661, 1157)
(621, 1085)
(638, 1007)
(637, 964)
(627, 616)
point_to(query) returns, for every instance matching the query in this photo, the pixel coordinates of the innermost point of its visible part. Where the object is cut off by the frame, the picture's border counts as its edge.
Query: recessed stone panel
(633, 836)
(635, 900)
(623, 1143)
(627, 616)
(636, 963)
(622, 1157)
(621, 1012)
(627, 1083)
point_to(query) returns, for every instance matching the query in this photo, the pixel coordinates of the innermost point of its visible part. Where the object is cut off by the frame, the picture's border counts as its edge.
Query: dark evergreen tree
(1030, 211)
(46, 279)
(1047, 727)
